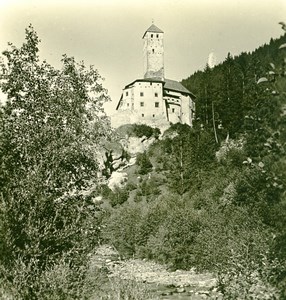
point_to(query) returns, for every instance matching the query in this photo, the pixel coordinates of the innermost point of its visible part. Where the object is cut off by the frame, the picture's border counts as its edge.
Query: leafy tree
(51, 127)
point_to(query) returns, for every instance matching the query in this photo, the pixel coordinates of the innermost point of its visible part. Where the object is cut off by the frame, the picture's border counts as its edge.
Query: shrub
(118, 196)
(250, 280)
(140, 130)
(120, 228)
(174, 240)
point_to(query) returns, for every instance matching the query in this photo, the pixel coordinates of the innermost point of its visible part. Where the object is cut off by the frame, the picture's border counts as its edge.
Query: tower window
(153, 116)
(141, 94)
(127, 104)
(156, 94)
(141, 104)
(143, 115)
(153, 51)
(173, 110)
(156, 104)
(126, 93)
(151, 35)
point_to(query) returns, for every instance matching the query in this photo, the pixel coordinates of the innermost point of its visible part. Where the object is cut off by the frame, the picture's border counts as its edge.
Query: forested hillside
(213, 196)
(229, 94)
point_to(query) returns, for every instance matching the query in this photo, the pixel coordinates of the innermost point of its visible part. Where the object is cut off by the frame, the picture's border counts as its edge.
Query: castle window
(157, 35)
(126, 93)
(127, 104)
(173, 110)
(151, 35)
(153, 116)
(153, 51)
(141, 104)
(156, 104)
(143, 115)
(156, 94)
(141, 94)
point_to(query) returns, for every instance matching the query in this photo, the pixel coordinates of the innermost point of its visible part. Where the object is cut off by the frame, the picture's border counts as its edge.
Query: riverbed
(165, 284)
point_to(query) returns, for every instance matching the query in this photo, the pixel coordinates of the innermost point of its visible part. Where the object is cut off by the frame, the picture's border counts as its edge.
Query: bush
(250, 280)
(118, 196)
(173, 243)
(141, 130)
(121, 228)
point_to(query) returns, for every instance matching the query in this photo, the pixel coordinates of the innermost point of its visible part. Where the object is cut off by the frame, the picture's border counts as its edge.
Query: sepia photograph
(142, 150)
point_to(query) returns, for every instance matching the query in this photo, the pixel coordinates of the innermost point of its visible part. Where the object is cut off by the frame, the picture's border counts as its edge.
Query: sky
(108, 33)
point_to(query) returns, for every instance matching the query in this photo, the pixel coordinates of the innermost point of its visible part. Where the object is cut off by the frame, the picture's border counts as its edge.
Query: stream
(165, 284)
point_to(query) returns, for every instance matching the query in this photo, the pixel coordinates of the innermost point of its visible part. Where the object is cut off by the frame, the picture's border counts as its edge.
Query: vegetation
(139, 130)
(51, 127)
(210, 197)
(220, 202)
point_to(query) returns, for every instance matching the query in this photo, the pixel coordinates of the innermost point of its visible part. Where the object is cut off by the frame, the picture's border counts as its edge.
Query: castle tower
(153, 52)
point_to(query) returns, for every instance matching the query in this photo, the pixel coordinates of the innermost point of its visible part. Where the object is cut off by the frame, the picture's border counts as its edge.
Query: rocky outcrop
(119, 156)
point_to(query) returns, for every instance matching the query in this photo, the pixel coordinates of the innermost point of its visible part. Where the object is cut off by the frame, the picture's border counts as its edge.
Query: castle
(154, 100)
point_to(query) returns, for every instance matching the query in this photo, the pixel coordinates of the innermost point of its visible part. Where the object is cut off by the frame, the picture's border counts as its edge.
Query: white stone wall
(153, 52)
(179, 108)
(143, 102)
(186, 110)
(144, 98)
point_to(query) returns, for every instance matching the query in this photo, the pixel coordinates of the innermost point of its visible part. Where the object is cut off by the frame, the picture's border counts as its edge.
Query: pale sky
(108, 33)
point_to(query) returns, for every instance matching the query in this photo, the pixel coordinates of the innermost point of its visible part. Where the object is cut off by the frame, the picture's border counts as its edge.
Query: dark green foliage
(148, 189)
(141, 130)
(184, 153)
(50, 128)
(120, 229)
(144, 163)
(229, 91)
(118, 196)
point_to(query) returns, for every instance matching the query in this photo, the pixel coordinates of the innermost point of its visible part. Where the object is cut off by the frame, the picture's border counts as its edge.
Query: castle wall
(187, 110)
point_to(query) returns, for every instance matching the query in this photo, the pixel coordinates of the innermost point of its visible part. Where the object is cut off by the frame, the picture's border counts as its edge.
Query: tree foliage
(51, 127)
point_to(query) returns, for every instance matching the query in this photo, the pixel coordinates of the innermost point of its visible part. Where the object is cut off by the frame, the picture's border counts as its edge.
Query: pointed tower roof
(153, 28)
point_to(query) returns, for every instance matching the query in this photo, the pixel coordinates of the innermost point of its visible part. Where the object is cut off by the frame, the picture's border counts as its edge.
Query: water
(173, 293)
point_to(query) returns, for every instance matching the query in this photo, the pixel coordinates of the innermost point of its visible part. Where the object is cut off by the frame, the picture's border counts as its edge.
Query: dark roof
(153, 28)
(171, 85)
(176, 86)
